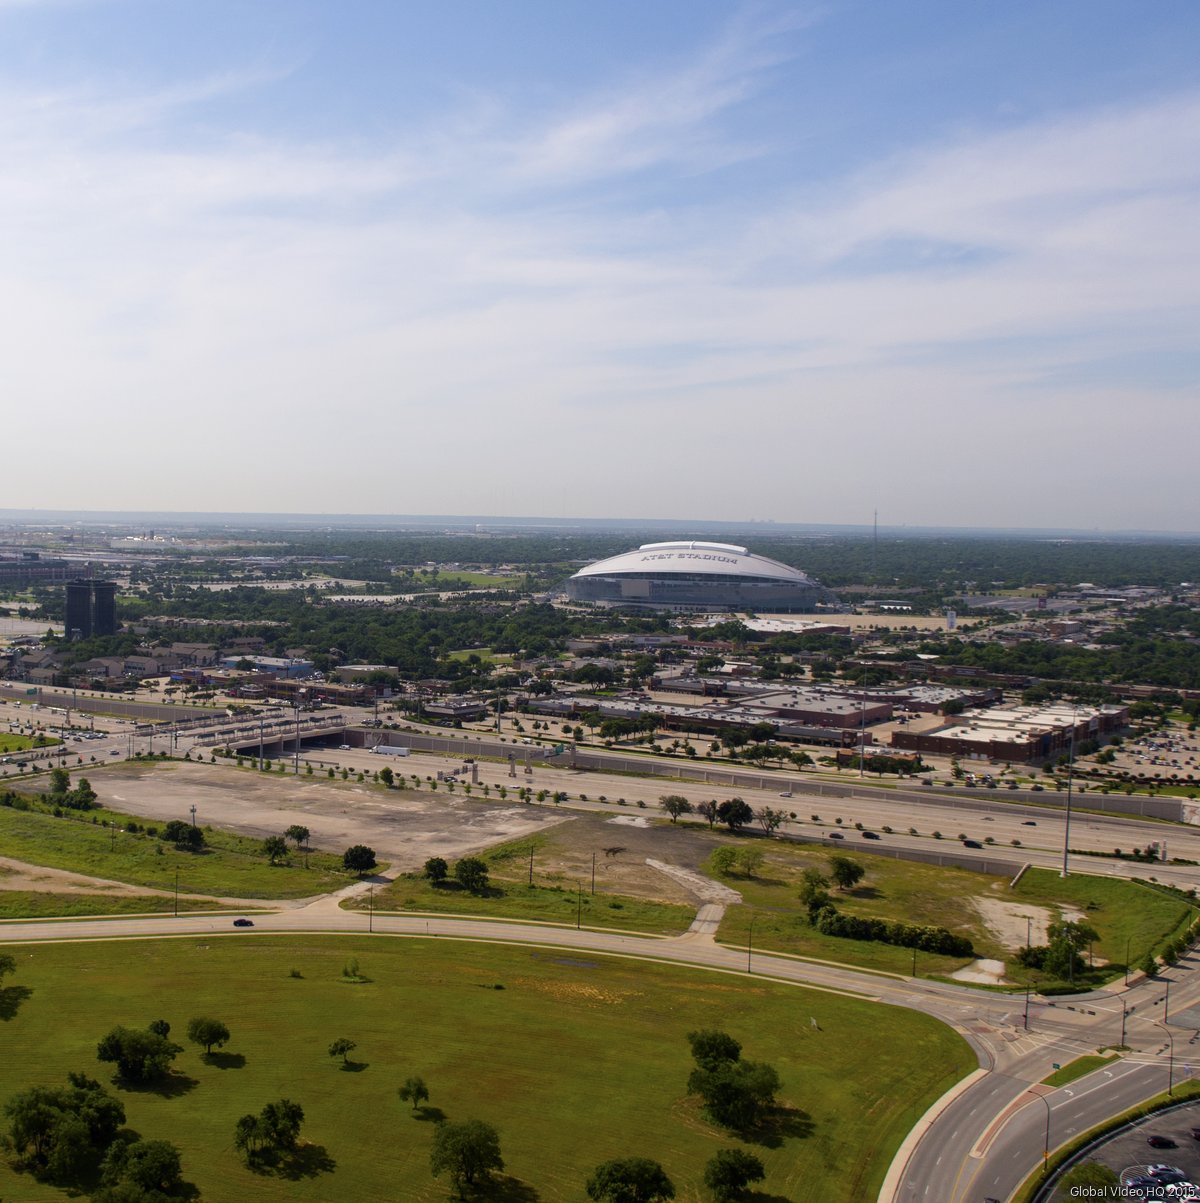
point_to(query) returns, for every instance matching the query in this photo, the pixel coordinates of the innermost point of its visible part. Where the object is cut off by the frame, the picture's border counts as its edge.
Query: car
(1196, 1133)
(836, 835)
(243, 923)
(1029, 822)
(870, 835)
(343, 747)
(971, 844)
(1160, 1142)
(787, 793)
(1166, 1173)
(1037, 789)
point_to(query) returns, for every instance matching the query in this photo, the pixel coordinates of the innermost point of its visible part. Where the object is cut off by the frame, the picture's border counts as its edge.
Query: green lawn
(34, 904)
(552, 898)
(927, 894)
(1125, 914)
(231, 866)
(542, 903)
(576, 1060)
(22, 743)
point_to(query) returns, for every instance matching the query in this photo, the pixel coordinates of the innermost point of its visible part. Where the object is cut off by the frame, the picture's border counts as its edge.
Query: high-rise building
(91, 608)
(79, 610)
(104, 611)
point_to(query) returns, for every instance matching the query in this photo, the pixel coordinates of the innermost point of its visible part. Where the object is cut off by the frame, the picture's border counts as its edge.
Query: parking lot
(1131, 1155)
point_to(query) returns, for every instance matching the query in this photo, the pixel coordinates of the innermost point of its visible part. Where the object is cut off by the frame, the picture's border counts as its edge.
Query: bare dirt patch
(1010, 922)
(404, 827)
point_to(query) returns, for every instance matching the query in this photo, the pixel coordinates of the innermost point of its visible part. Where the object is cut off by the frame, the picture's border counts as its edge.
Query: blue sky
(697, 260)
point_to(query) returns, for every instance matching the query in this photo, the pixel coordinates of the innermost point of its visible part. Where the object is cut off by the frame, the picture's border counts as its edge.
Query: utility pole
(1070, 776)
(593, 874)
(177, 892)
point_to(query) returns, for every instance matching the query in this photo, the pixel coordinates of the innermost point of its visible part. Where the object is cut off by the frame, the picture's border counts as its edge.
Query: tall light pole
(177, 892)
(578, 905)
(1046, 1151)
(1070, 781)
(750, 943)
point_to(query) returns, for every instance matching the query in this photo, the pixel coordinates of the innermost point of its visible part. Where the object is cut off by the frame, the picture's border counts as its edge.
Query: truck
(390, 750)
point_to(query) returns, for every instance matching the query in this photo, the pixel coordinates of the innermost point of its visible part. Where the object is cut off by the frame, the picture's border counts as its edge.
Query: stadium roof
(715, 559)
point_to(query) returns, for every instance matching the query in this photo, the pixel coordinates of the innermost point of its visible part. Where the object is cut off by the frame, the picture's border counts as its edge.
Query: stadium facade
(692, 576)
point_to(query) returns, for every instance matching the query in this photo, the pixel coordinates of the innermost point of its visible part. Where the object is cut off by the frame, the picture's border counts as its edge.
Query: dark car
(1160, 1142)
(836, 835)
(870, 835)
(243, 923)
(971, 844)
(1029, 822)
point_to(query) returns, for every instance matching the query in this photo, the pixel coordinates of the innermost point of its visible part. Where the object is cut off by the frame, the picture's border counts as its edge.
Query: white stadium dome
(695, 576)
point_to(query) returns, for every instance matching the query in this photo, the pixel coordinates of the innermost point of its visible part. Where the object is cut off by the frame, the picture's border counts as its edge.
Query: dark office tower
(79, 609)
(104, 615)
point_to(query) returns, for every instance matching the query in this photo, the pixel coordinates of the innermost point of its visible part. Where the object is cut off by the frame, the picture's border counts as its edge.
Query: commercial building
(698, 577)
(1021, 734)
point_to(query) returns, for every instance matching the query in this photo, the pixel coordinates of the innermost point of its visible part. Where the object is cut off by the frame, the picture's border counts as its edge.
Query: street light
(750, 943)
(1046, 1152)
(578, 905)
(1070, 781)
(177, 892)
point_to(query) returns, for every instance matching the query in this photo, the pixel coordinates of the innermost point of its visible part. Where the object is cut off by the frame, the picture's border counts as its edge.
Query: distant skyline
(693, 260)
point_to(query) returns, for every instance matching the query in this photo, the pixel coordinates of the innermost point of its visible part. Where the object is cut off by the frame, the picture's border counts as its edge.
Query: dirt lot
(404, 828)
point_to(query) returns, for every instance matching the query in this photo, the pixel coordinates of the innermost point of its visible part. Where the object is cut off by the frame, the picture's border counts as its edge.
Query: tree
(735, 813)
(468, 1151)
(723, 860)
(749, 860)
(387, 776)
(675, 805)
(708, 810)
(712, 1048)
(207, 1032)
(630, 1180)
(7, 966)
(279, 1123)
(62, 1132)
(814, 886)
(845, 872)
(729, 1172)
(736, 1093)
(298, 834)
(183, 835)
(60, 782)
(359, 859)
(414, 1091)
(151, 1167)
(341, 1047)
(160, 1027)
(436, 869)
(141, 1056)
(472, 873)
(800, 759)
(274, 848)
(770, 819)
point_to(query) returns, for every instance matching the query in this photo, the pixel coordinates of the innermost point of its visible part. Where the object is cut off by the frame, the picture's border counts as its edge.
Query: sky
(680, 259)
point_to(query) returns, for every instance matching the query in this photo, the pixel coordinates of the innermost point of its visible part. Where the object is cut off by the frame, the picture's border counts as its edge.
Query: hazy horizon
(763, 260)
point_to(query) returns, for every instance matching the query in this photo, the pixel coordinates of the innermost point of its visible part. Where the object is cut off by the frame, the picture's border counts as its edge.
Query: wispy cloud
(332, 300)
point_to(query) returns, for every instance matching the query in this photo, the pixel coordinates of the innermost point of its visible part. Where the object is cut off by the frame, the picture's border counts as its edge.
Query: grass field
(231, 866)
(35, 904)
(938, 896)
(576, 1060)
(552, 898)
(10, 742)
(1126, 914)
(546, 904)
